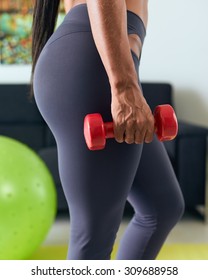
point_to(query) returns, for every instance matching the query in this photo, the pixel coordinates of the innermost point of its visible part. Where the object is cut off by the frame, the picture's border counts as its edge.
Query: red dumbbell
(96, 131)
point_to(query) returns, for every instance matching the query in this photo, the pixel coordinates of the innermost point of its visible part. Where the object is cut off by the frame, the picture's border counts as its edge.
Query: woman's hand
(132, 117)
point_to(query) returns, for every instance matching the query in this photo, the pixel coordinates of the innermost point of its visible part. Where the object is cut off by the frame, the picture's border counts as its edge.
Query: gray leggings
(70, 82)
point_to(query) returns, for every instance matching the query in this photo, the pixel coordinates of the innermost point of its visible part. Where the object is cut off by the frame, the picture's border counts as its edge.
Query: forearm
(109, 28)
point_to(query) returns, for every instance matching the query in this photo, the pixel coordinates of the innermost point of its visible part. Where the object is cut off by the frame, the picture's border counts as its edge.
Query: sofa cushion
(157, 93)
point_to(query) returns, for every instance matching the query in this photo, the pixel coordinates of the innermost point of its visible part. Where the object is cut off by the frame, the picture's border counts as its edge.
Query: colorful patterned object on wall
(15, 31)
(15, 38)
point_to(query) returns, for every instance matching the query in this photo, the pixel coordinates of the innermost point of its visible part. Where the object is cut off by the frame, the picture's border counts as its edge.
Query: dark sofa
(20, 119)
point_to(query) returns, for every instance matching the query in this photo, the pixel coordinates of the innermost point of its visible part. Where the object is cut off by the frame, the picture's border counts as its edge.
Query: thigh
(155, 189)
(96, 184)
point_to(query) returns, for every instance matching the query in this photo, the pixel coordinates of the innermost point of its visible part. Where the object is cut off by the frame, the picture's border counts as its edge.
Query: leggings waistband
(79, 14)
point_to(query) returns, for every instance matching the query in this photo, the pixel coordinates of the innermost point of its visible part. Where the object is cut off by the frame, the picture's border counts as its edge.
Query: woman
(88, 65)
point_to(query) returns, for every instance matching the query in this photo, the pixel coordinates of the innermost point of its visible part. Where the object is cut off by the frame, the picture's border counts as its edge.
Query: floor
(191, 229)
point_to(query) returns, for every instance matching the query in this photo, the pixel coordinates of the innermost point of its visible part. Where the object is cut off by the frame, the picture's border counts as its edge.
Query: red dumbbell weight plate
(94, 131)
(166, 124)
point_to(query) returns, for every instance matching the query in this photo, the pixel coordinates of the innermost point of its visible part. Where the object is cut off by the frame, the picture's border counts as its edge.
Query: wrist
(123, 80)
(122, 83)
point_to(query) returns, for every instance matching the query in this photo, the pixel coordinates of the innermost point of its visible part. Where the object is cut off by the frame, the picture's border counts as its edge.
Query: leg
(96, 185)
(70, 81)
(158, 203)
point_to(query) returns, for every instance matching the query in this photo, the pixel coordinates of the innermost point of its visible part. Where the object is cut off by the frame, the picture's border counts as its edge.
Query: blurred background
(175, 51)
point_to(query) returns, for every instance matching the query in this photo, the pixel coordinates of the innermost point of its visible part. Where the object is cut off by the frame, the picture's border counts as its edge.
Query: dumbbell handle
(109, 130)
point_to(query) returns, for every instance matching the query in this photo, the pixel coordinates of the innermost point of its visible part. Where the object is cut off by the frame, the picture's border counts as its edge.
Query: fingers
(129, 132)
(132, 118)
(150, 129)
(138, 131)
(119, 125)
(119, 132)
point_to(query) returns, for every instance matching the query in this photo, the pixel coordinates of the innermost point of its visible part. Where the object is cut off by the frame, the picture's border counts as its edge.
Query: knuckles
(131, 126)
(129, 141)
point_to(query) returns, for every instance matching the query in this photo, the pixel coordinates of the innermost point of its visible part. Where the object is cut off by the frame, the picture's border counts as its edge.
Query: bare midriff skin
(139, 7)
(132, 117)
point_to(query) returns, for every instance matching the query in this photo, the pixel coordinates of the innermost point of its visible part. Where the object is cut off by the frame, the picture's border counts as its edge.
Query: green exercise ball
(28, 201)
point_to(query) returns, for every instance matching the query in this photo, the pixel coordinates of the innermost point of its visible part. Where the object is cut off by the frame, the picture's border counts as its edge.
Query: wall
(15, 74)
(175, 51)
